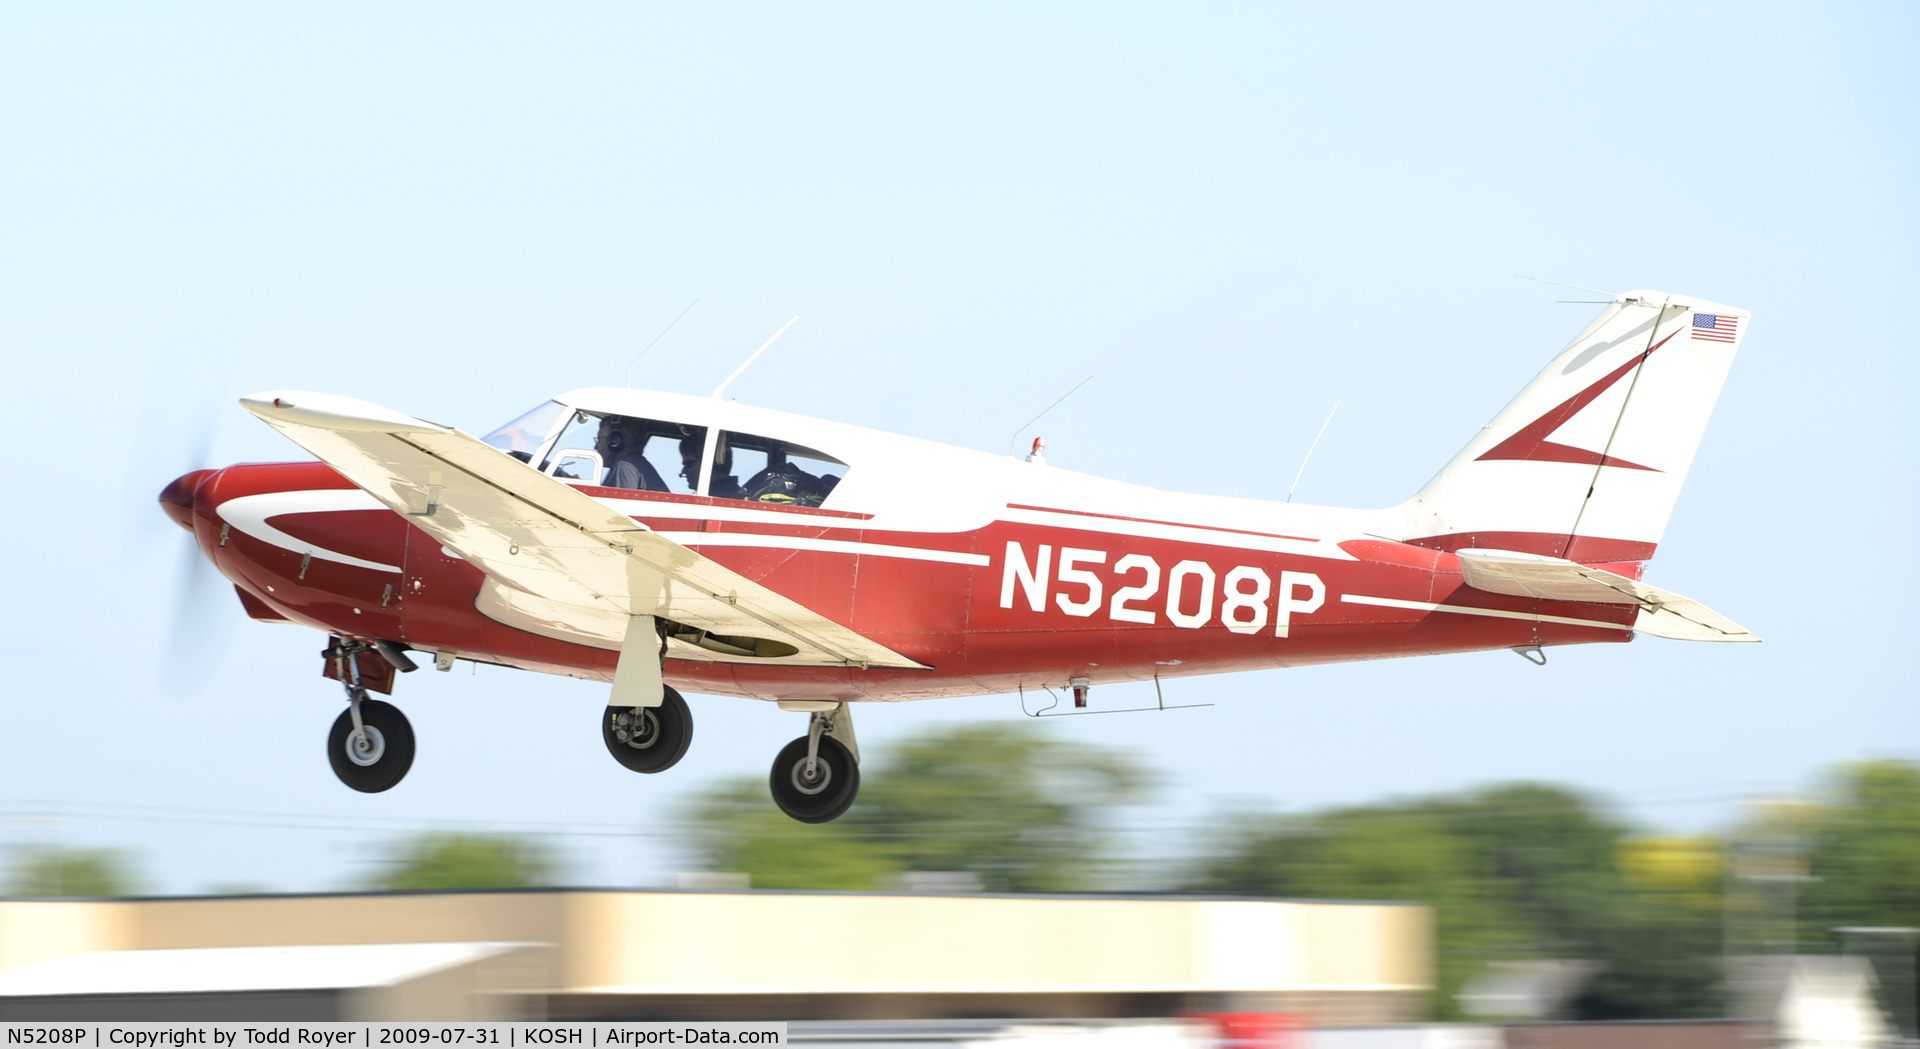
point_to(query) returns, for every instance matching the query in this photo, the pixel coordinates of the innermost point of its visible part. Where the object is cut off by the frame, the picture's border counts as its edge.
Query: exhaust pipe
(392, 653)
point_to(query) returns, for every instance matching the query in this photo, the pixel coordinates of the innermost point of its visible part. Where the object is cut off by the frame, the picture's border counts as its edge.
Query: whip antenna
(717, 390)
(1611, 295)
(1310, 448)
(1015, 439)
(657, 338)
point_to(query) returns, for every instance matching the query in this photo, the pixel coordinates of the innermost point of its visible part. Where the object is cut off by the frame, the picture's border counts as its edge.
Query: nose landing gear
(373, 751)
(371, 744)
(816, 777)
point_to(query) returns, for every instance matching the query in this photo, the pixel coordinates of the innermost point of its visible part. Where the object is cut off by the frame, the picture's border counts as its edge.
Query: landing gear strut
(371, 745)
(816, 777)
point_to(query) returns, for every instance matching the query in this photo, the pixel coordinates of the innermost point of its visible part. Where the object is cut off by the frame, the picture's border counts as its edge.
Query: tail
(1586, 463)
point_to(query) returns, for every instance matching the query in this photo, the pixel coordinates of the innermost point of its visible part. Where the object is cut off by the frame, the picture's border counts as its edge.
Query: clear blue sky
(1230, 216)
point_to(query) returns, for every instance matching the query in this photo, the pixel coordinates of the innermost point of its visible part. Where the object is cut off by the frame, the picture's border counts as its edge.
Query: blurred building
(348, 981)
(1533, 989)
(1813, 1000)
(712, 955)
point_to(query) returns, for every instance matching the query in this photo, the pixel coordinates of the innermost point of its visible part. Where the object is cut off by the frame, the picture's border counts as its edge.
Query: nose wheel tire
(826, 794)
(382, 758)
(651, 739)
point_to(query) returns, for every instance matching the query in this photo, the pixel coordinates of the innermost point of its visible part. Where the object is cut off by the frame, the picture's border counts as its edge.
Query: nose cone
(176, 499)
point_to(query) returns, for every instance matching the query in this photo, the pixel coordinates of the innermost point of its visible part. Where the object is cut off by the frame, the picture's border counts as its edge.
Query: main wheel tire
(829, 794)
(653, 739)
(386, 758)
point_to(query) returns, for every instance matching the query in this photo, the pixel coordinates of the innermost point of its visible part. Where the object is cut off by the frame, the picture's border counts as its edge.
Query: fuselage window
(620, 451)
(768, 470)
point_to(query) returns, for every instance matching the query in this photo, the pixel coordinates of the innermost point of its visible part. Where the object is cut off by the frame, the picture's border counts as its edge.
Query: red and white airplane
(656, 540)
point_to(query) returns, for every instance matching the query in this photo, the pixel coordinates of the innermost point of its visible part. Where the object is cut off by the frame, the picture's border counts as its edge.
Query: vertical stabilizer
(1587, 461)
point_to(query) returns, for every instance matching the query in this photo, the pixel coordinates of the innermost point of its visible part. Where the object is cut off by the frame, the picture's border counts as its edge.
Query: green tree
(1555, 867)
(466, 861)
(1512, 872)
(53, 871)
(1865, 851)
(1021, 811)
(733, 828)
(1384, 853)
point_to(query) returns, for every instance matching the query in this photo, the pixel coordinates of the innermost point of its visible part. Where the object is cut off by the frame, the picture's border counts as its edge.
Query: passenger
(620, 442)
(722, 485)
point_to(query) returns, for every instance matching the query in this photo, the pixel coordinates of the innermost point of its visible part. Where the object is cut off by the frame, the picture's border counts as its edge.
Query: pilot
(620, 442)
(723, 486)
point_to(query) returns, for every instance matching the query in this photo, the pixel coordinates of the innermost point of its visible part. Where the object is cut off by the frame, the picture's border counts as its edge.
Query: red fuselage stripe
(1151, 521)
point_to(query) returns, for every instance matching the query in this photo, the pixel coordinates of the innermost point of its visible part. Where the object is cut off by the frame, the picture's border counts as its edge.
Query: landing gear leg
(647, 726)
(371, 744)
(816, 777)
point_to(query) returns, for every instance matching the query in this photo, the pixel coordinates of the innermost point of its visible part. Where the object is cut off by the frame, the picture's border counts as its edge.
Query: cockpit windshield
(656, 455)
(523, 436)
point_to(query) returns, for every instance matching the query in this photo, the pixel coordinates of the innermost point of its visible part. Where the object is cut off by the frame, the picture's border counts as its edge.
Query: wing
(554, 554)
(1663, 613)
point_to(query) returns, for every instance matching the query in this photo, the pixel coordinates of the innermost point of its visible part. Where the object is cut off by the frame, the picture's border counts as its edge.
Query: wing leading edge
(554, 554)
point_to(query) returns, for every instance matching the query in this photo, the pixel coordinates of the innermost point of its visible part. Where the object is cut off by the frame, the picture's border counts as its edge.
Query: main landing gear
(646, 725)
(816, 777)
(649, 739)
(371, 745)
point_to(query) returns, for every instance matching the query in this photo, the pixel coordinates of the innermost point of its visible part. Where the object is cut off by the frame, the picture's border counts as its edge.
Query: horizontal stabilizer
(1663, 613)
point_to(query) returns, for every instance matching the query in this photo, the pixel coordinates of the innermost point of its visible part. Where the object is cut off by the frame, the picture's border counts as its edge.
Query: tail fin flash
(1586, 463)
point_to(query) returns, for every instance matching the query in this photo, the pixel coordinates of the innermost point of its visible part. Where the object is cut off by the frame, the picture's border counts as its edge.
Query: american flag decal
(1714, 328)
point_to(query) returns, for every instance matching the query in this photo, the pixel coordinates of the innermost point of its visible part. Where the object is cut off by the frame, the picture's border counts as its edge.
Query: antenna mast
(718, 390)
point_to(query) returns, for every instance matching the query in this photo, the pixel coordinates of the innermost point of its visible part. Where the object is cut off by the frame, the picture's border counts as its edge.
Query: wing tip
(332, 412)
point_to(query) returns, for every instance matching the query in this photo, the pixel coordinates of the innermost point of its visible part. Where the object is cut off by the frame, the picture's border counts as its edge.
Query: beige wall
(408, 918)
(490, 988)
(1349, 947)
(763, 942)
(768, 942)
(32, 931)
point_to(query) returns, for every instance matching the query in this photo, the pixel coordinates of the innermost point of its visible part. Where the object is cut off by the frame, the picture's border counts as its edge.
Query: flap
(544, 537)
(1663, 613)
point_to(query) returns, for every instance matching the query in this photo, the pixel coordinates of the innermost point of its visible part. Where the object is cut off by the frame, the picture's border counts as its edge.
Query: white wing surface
(544, 539)
(1663, 613)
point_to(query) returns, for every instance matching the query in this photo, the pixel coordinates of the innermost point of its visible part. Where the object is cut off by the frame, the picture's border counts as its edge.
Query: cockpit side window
(620, 451)
(768, 470)
(522, 437)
